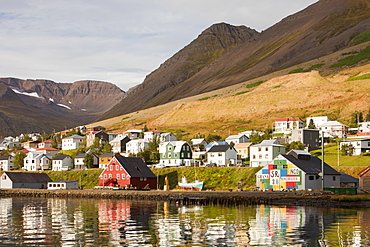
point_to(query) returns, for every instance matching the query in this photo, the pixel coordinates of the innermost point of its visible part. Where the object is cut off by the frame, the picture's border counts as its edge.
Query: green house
(175, 153)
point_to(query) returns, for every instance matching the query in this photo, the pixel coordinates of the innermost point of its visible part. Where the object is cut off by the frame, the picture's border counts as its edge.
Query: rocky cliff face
(224, 55)
(91, 96)
(205, 49)
(44, 106)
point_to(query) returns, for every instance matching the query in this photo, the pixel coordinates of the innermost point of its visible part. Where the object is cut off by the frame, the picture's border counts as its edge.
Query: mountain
(234, 109)
(45, 106)
(224, 55)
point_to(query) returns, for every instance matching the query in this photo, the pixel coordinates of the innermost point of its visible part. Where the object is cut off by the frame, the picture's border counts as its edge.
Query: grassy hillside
(255, 104)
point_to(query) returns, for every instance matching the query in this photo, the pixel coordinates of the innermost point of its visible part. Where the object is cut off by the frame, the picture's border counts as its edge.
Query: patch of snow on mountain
(69, 108)
(34, 94)
(70, 102)
(50, 99)
(83, 109)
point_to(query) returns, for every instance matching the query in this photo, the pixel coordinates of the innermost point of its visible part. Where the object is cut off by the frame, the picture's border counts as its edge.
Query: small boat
(196, 185)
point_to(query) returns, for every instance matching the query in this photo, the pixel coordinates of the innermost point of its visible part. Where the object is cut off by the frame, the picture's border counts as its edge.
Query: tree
(18, 160)
(368, 116)
(257, 136)
(107, 148)
(294, 145)
(211, 138)
(89, 160)
(356, 118)
(311, 125)
(347, 149)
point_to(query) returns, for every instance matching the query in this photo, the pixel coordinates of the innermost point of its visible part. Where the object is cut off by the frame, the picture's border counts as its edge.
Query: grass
(361, 77)
(239, 93)
(214, 178)
(254, 84)
(301, 70)
(362, 38)
(353, 59)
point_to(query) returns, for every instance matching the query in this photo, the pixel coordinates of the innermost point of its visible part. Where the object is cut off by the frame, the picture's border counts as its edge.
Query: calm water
(82, 222)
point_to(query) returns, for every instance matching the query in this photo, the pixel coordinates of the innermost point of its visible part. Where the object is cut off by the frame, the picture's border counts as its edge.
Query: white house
(317, 120)
(296, 170)
(72, 142)
(167, 137)
(333, 129)
(63, 185)
(199, 144)
(359, 146)
(79, 161)
(240, 138)
(222, 155)
(36, 161)
(133, 134)
(62, 163)
(6, 163)
(176, 153)
(136, 146)
(29, 180)
(286, 125)
(119, 144)
(263, 153)
(152, 134)
(364, 127)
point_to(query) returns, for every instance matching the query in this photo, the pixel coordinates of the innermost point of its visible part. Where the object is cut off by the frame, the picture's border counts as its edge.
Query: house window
(117, 176)
(259, 149)
(267, 149)
(117, 168)
(144, 179)
(285, 166)
(274, 167)
(102, 159)
(219, 154)
(169, 155)
(123, 176)
(278, 149)
(334, 178)
(111, 167)
(311, 177)
(110, 176)
(254, 156)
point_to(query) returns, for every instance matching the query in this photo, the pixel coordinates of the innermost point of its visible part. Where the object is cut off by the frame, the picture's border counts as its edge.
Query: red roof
(21, 151)
(286, 119)
(48, 149)
(363, 172)
(47, 141)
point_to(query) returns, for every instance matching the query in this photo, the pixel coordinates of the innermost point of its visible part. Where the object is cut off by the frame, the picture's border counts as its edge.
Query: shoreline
(201, 197)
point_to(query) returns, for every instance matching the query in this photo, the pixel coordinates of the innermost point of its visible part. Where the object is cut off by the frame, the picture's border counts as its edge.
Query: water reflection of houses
(66, 215)
(126, 222)
(273, 222)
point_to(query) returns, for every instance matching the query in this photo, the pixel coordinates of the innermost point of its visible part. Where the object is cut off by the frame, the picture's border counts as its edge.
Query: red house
(127, 172)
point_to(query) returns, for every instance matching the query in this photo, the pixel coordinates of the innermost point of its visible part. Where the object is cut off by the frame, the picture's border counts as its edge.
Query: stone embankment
(202, 197)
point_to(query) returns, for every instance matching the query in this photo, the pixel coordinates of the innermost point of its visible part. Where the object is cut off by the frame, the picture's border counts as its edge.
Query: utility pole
(322, 160)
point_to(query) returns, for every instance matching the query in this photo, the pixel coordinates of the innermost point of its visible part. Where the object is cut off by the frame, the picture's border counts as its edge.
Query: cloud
(120, 41)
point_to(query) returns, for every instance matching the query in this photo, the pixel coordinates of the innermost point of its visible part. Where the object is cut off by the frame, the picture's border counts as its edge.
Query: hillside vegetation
(244, 107)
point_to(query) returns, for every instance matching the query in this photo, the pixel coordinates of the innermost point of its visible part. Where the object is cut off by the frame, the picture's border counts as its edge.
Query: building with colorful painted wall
(296, 170)
(127, 172)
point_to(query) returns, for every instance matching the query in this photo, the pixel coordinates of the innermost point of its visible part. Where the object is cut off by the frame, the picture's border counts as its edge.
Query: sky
(118, 41)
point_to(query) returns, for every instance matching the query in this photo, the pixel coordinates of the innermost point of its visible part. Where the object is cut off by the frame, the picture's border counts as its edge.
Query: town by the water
(283, 155)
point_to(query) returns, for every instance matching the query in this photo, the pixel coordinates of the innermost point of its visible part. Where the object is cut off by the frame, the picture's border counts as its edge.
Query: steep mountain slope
(234, 110)
(206, 48)
(322, 28)
(43, 106)
(92, 96)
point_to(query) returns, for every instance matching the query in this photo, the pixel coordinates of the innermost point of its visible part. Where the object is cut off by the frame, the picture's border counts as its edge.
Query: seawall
(203, 197)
